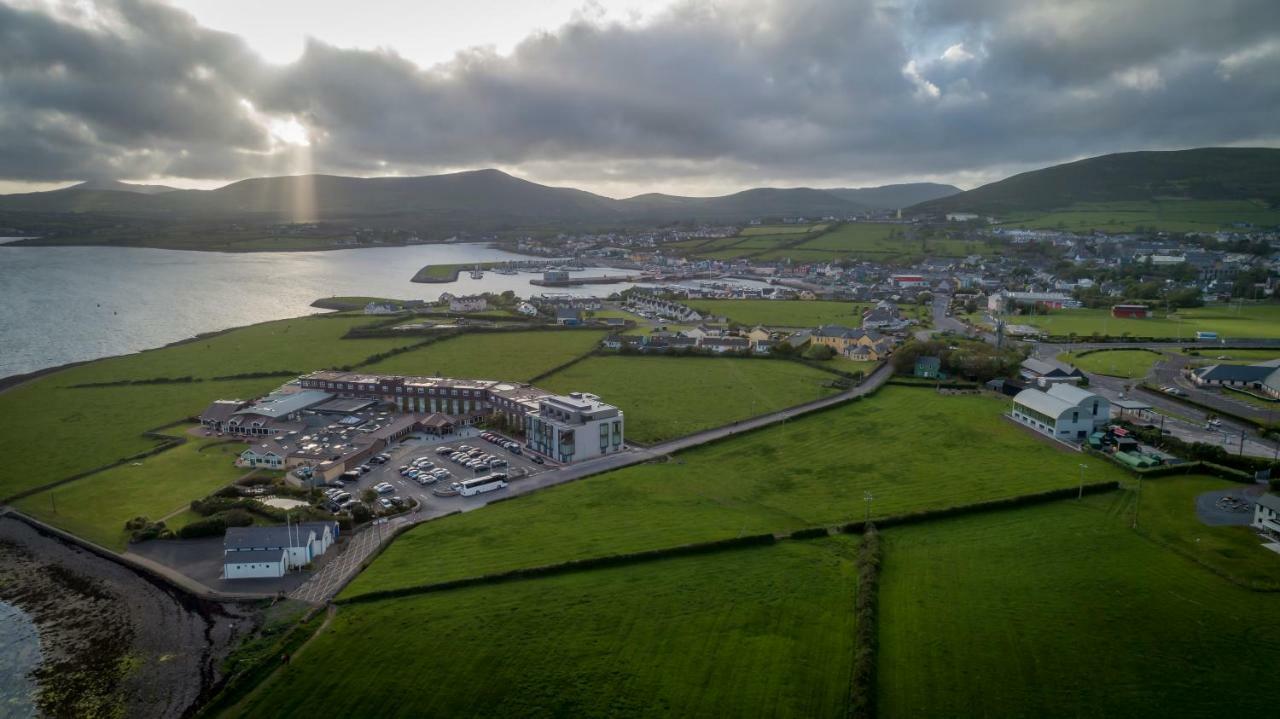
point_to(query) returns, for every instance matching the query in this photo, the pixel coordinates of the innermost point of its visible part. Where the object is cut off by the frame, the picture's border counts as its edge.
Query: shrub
(211, 527)
(810, 533)
(818, 352)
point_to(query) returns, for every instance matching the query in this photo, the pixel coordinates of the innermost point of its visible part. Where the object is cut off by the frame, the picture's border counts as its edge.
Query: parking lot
(519, 467)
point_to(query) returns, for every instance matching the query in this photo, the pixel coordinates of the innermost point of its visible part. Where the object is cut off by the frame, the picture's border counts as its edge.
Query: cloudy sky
(691, 96)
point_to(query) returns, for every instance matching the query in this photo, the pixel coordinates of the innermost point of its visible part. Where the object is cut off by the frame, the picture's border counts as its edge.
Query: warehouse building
(1064, 412)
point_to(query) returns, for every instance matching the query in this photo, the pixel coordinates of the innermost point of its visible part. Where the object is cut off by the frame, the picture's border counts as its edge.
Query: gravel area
(115, 642)
(1209, 511)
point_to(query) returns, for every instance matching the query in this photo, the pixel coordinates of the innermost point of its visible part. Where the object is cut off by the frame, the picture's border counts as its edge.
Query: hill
(891, 197)
(1215, 173)
(759, 202)
(118, 186)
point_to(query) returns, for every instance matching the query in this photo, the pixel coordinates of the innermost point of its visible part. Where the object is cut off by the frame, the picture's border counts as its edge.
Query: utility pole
(868, 498)
(1083, 467)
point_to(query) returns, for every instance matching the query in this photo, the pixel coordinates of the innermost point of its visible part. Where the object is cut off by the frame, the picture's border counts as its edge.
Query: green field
(780, 229)
(97, 506)
(1212, 356)
(51, 430)
(514, 356)
(861, 237)
(665, 397)
(1130, 364)
(1260, 321)
(762, 632)
(810, 471)
(1063, 611)
(1166, 215)
(784, 313)
(448, 273)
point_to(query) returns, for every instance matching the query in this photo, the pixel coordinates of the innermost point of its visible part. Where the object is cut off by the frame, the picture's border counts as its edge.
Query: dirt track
(115, 643)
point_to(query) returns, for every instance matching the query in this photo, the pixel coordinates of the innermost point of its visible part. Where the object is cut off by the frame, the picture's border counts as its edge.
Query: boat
(477, 273)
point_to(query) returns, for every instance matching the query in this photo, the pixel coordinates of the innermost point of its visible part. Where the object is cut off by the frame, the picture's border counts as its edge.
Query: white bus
(487, 483)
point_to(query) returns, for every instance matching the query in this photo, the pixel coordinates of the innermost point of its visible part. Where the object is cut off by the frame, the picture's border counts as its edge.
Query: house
(1264, 377)
(904, 281)
(1064, 412)
(759, 334)
(1266, 515)
(841, 338)
(568, 317)
(527, 309)
(1045, 372)
(928, 367)
(471, 303)
(261, 456)
(215, 416)
(721, 345)
(884, 318)
(1136, 312)
(1004, 301)
(253, 551)
(704, 331)
(381, 308)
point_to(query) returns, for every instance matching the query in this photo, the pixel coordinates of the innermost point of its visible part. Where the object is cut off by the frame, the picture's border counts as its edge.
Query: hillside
(1201, 174)
(759, 202)
(891, 197)
(118, 186)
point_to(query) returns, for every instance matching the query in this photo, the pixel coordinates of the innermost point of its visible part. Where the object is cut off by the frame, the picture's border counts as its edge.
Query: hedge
(862, 687)
(1019, 500)
(126, 382)
(258, 375)
(811, 533)
(573, 565)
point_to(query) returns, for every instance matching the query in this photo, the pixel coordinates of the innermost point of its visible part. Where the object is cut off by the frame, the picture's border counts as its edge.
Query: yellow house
(842, 338)
(758, 334)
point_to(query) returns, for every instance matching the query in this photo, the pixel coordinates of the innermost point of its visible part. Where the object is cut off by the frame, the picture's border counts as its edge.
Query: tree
(818, 351)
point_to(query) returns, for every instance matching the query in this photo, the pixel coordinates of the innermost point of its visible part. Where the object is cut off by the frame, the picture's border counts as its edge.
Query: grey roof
(277, 537)
(1043, 403)
(1070, 393)
(566, 313)
(1234, 373)
(253, 556)
(1049, 369)
(221, 410)
(279, 405)
(1270, 501)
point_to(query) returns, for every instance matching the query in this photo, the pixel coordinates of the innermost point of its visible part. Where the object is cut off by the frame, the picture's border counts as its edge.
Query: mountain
(891, 197)
(117, 186)
(760, 202)
(1212, 173)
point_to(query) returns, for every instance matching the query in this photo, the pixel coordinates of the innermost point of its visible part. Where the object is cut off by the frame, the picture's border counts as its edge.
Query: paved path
(329, 579)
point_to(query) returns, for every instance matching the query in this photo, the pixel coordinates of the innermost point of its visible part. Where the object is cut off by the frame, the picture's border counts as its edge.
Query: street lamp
(1083, 467)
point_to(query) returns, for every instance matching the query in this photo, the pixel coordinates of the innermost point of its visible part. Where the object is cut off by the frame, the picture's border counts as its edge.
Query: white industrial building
(1063, 412)
(574, 427)
(261, 552)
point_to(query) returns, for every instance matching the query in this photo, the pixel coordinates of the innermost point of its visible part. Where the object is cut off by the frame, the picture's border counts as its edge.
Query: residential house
(568, 317)
(471, 303)
(841, 338)
(928, 367)
(721, 345)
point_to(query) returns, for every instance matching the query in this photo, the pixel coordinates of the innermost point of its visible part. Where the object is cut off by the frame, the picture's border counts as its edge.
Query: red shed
(1137, 312)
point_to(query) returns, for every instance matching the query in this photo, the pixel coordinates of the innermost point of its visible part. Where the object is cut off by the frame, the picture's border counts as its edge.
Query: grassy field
(762, 632)
(665, 397)
(448, 273)
(1169, 216)
(809, 471)
(1131, 364)
(1236, 356)
(860, 237)
(784, 313)
(515, 356)
(1063, 611)
(1247, 321)
(51, 430)
(97, 506)
(779, 229)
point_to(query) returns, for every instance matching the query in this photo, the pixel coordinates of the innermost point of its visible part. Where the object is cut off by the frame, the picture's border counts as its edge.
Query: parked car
(383, 488)
(364, 469)
(386, 503)
(497, 462)
(538, 459)
(444, 450)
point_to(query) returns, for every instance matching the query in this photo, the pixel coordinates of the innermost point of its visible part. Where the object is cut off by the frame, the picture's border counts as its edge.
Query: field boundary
(862, 685)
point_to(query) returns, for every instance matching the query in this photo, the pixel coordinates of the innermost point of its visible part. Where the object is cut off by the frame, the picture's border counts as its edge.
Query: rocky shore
(115, 643)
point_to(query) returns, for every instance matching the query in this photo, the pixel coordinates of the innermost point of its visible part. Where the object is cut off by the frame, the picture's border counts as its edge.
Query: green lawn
(1167, 215)
(665, 397)
(51, 431)
(1229, 321)
(1167, 513)
(1212, 356)
(515, 356)
(911, 448)
(1063, 611)
(784, 313)
(1131, 364)
(97, 506)
(764, 632)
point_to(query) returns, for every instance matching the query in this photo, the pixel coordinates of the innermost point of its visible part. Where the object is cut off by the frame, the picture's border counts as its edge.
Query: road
(330, 578)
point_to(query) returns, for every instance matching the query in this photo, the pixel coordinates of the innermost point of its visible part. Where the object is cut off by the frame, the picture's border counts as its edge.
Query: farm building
(1046, 372)
(1136, 312)
(1064, 412)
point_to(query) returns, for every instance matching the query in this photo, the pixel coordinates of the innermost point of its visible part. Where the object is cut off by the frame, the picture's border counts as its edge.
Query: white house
(261, 456)
(472, 303)
(1266, 514)
(381, 308)
(254, 564)
(298, 544)
(1063, 412)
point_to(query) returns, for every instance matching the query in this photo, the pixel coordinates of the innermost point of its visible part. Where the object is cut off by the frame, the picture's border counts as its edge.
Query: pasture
(665, 397)
(96, 507)
(762, 632)
(1130, 364)
(1165, 215)
(815, 470)
(52, 429)
(1259, 321)
(1061, 610)
(513, 356)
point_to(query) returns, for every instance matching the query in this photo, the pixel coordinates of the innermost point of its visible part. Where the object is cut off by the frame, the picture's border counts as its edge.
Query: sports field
(810, 471)
(1130, 364)
(97, 506)
(665, 397)
(514, 356)
(764, 632)
(1261, 321)
(1063, 611)
(784, 313)
(50, 430)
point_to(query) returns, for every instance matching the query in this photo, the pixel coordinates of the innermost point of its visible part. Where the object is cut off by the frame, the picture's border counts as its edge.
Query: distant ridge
(1213, 173)
(117, 186)
(892, 197)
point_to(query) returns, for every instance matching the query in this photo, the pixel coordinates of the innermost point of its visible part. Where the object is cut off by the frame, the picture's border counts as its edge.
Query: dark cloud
(707, 94)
